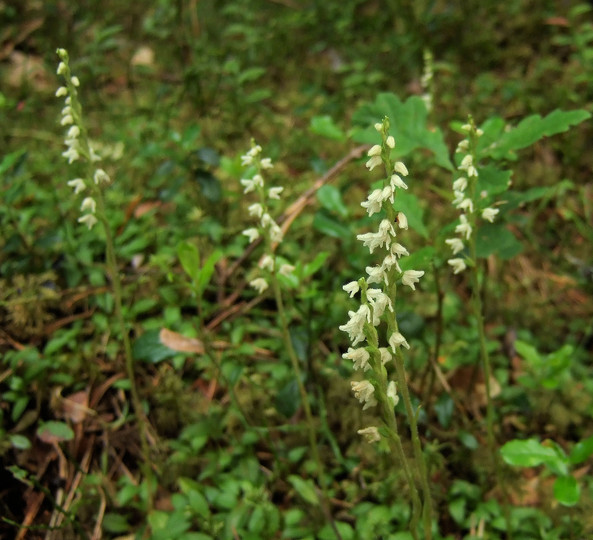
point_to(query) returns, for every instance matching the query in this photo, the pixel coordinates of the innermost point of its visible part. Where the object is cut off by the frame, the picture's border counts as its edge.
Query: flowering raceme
(378, 289)
(465, 199)
(266, 227)
(77, 143)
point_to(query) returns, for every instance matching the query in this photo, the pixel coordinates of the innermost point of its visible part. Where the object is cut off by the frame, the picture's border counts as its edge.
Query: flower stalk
(377, 316)
(79, 148)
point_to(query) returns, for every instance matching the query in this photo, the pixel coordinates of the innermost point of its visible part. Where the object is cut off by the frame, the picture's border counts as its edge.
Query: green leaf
(581, 451)
(409, 204)
(207, 270)
(330, 227)
(115, 523)
(20, 442)
(408, 126)
(148, 347)
(189, 257)
(310, 268)
(468, 440)
(330, 198)
(305, 488)
(527, 453)
(55, 432)
(566, 490)
(209, 184)
(533, 128)
(288, 399)
(493, 180)
(496, 239)
(444, 410)
(324, 126)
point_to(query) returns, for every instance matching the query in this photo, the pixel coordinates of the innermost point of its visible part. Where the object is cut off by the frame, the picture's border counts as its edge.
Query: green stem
(416, 444)
(304, 399)
(143, 423)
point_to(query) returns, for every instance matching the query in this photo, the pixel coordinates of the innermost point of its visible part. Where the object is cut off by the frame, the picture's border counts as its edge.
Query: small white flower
(276, 233)
(73, 132)
(460, 184)
(386, 356)
(400, 168)
(258, 180)
(259, 284)
(398, 250)
(374, 202)
(286, 269)
(466, 127)
(266, 220)
(267, 263)
(88, 219)
(256, 210)
(246, 160)
(374, 151)
(402, 221)
(354, 327)
(248, 183)
(479, 132)
(456, 245)
(411, 277)
(74, 80)
(61, 52)
(78, 185)
(274, 192)
(101, 176)
(61, 91)
(457, 264)
(381, 238)
(252, 234)
(466, 162)
(363, 391)
(464, 227)
(71, 154)
(390, 142)
(397, 182)
(466, 205)
(373, 162)
(392, 393)
(89, 204)
(371, 434)
(489, 214)
(351, 288)
(396, 339)
(61, 69)
(266, 163)
(67, 120)
(463, 146)
(376, 274)
(379, 126)
(359, 356)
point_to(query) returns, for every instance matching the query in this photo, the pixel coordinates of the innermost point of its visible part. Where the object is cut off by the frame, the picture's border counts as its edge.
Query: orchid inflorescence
(466, 198)
(266, 226)
(76, 141)
(378, 289)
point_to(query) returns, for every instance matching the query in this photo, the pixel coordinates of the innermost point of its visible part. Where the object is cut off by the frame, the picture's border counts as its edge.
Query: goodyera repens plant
(79, 149)
(373, 328)
(466, 200)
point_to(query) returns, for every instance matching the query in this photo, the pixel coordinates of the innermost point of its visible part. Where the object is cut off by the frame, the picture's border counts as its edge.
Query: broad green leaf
(207, 270)
(493, 180)
(533, 128)
(288, 399)
(409, 204)
(115, 523)
(312, 267)
(408, 124)
(149, 348)
(566, 490)
(496, 239)
(324, 126)
(54, 431)
(305, 488)
(189, 257)
(527, 453)
(330, 227)
(581, 451)
(330, 198)
(528, 352)
(20, 442)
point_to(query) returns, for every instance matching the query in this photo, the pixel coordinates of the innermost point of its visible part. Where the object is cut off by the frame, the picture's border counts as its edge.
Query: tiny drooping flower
(371, 434)
(457, 264)
(259, 284)
(363, 392)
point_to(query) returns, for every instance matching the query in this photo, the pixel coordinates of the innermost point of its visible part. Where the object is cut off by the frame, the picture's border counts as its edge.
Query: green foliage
(173, 93)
